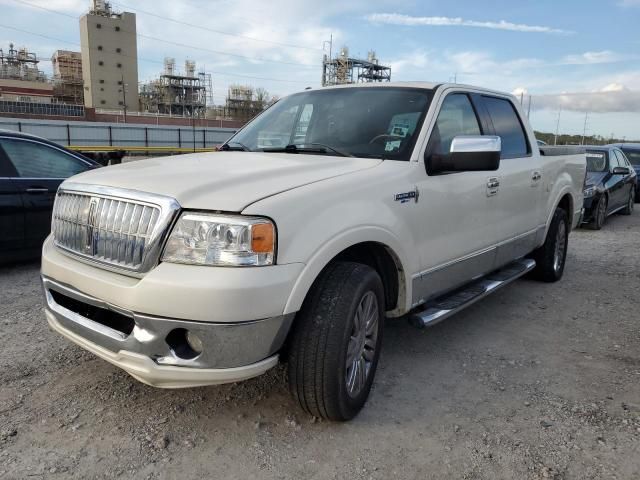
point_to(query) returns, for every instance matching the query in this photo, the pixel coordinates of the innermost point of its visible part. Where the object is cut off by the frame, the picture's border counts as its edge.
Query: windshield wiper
(240, 147)
(315, 148)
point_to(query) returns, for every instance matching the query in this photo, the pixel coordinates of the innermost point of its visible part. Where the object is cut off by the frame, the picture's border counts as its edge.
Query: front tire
(336, 342)
(551, 256)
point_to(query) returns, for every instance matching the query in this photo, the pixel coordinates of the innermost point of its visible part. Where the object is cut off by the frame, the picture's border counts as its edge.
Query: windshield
(633, 156)
(596, 161)
(362, 122)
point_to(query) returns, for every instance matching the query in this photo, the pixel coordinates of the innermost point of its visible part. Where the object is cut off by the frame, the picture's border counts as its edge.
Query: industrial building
(186, 95)
(20, 78)
(344, 69)
(67, 77)
(109, 58)
(244, 102)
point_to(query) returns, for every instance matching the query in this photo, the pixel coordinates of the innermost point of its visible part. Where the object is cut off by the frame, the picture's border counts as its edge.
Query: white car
(365, 202)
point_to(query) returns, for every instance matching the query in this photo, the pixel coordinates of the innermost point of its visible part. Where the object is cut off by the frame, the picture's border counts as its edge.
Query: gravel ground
(537, 381)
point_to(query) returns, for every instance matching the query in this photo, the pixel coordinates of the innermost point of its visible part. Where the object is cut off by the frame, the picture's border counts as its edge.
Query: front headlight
(221, 240)
(589, 191)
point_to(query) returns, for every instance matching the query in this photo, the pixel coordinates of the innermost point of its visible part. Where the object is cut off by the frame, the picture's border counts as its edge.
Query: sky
(576, 59)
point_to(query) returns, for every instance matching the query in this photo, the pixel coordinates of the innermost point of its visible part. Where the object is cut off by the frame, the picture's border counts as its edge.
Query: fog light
(194, 342)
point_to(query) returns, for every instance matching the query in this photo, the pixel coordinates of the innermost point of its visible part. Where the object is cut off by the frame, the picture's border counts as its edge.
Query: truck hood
(226, 181)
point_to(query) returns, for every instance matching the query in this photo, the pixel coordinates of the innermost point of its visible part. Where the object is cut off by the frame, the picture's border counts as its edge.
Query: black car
(632, 152)
(610, 185)
(31, 169)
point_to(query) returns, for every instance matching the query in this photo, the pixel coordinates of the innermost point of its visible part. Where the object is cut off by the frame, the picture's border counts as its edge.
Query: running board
(443, 307)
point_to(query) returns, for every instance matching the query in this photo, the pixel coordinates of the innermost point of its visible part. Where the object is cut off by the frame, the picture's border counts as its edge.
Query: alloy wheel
(362, 344)
(560, 247)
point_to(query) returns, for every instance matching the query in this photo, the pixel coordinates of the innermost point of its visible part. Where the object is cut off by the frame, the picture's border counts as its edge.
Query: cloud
(629, 3)
(594, 58)
(407, 20)
(613, 98)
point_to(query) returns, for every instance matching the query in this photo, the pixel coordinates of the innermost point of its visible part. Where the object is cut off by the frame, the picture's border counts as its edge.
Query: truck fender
(340, 242)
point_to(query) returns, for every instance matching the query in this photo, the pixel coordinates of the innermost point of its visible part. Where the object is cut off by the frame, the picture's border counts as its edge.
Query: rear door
(11, 212)
(514, 210)
(616, 183)
(628, 179)
(40, 169)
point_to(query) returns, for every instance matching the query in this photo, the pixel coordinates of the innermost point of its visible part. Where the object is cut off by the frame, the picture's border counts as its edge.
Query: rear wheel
(599, 215)
(336, 342)
(551, 256)
(628, 210)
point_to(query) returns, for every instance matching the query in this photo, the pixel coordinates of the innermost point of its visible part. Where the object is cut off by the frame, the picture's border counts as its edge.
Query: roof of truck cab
(425, 85)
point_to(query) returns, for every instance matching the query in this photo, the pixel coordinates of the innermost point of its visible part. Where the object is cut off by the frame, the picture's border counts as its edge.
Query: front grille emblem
(91, 235)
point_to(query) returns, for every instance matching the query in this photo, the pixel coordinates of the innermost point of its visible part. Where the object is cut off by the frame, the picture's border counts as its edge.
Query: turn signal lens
(262, 237)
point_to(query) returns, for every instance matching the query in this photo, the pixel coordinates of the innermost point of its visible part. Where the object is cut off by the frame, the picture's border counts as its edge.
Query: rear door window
(35, 160)
(508, 127)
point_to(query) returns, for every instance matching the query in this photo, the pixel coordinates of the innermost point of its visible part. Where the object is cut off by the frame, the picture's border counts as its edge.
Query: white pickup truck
(331, 211)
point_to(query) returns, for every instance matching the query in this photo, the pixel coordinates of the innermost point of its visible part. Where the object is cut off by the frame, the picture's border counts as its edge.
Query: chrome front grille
(118, 228)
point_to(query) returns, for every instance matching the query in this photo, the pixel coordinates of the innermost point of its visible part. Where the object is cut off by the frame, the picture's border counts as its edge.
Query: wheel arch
(375, 247)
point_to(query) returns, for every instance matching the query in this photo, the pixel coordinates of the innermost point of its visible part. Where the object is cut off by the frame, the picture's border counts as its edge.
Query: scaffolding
(244, 102)
(67, 77)
(20, 65)
(178, 95)
(344, 69)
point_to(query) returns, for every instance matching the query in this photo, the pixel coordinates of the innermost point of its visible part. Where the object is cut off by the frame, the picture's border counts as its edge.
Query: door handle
(535, 176)
(493, 185)
(37, 190)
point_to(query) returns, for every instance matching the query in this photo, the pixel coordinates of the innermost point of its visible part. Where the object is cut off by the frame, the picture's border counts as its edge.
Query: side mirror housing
(621, 171)
(468, 153)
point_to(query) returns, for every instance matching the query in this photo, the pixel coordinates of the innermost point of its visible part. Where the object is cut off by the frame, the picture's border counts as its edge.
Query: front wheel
(336, 342)
(628, 210)
(551, 256)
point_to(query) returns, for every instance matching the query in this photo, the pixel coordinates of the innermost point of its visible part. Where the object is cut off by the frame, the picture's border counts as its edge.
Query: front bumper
(151, 351)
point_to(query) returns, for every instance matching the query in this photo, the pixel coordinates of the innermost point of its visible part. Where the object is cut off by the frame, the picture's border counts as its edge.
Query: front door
(455, 238)
(11, 215)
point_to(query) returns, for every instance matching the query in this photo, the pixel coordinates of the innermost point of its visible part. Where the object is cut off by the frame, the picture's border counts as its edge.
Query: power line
(246, 37)
(170, 42)
(227, 74)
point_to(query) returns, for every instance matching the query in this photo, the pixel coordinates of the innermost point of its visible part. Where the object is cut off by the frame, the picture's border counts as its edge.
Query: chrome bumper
(225, 345)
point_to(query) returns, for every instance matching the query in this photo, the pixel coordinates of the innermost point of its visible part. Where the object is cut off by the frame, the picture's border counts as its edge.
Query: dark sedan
(31, 169)
(632, 152)
(610, 185)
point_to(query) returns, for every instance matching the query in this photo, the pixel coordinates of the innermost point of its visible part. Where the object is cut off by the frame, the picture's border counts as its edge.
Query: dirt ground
(537, 381)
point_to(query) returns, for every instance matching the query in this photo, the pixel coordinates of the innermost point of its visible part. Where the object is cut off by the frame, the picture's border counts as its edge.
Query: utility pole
(529, 108)
(555, 141)
(584, 130)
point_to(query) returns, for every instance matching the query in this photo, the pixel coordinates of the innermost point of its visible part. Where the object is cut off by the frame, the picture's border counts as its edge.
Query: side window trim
(7, 170)
(529, 153)
(484, 119)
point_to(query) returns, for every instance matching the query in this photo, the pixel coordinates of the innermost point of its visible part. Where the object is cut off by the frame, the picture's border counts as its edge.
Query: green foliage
(565, 139)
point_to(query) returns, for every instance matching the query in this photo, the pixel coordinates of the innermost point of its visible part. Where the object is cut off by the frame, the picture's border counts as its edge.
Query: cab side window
(508, 127)
(456, 117)
(35, 160)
